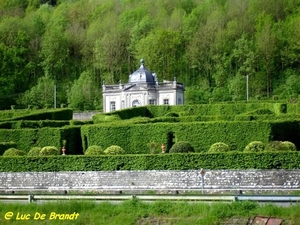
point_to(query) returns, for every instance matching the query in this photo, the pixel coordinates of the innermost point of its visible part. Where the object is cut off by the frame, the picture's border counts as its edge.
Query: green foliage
(49, 150)
(154, 147)
(41, 95)
(171, 114)
(255, 146)
(13, 152)
(210, 46)
(136, 211)
(288, 146)
(43, 114)
(94, 150)
(35, 151)
(6, 145)
(28, 138)
(84, 93)
(181, 147)
(219, 147)
(179, 161)
(281, 146)
(114, 150)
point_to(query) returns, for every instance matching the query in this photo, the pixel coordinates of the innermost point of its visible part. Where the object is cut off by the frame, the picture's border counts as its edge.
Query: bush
(255, 146)
(219, 147)
(281, 146)
(94, 150)
(35, 151)
(13, 152)
(114, 150)
(288, 146)
(154, 147)
(182, 147)
(49, 150)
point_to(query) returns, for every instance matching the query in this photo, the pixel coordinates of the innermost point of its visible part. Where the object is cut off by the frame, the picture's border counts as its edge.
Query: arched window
(136, 103)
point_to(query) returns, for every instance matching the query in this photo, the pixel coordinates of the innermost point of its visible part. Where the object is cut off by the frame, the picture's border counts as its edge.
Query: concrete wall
(153, 180)
(83, 115)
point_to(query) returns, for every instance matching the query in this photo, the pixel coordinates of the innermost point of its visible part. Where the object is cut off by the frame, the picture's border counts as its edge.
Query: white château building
(142, 89)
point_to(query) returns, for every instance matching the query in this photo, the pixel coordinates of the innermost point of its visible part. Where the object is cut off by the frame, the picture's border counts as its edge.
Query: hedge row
(214, 110)
(268, 160)
(133, 138)
(33, 124)
(51, 114)
(25, 139)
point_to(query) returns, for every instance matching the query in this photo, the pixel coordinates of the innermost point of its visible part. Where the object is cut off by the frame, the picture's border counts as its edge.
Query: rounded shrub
(281, 146)
(255, 146)
(288, 146)
(49, 150)
(273, 146)
(13, 152)
(219, 147)
(94, 150)
(114, 150)
(154, 147)
(181, 147)
(35, 151)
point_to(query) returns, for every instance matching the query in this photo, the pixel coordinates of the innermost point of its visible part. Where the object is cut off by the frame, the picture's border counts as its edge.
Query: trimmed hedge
(191, 161)
(33, 124)
(50, 114)
(25, 139)
(13, 152)
(214, 110)
(135, 137)
(28, 138)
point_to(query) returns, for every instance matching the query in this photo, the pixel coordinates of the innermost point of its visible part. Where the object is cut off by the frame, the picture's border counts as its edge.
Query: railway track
(284, 200)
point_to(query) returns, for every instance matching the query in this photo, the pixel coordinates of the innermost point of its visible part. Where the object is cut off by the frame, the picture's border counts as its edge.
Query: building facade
(142, 89)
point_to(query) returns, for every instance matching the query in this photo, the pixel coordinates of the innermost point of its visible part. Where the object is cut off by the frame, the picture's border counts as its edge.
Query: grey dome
(142, 75)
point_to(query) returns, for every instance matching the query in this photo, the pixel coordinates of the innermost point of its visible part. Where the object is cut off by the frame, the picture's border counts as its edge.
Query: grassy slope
(136, 212)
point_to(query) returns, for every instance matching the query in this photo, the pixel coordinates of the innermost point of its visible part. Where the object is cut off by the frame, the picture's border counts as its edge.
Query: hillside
(209, 45)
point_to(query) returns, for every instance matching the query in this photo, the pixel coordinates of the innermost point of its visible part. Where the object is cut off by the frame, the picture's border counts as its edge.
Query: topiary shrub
(94, 150)
(35, 151)
(280, 146)
(219, 147)
(181, 147)
(255, 146)
(13, 152)
(114, 150)
(154, 147)
(49, 150)
(288, 146)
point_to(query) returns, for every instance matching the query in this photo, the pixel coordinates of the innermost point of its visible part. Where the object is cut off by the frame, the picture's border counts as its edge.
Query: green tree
(84, 93)
(41, 95)
(266, 47)
(161, 58)
(55, 45)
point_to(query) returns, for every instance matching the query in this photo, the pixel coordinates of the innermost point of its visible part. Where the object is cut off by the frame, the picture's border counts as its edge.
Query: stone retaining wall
(153, 180)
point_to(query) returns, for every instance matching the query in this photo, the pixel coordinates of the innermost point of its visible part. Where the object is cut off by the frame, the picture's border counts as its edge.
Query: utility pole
(54, 96)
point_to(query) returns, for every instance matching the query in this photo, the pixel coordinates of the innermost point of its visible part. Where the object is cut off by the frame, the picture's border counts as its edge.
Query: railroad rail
(41, 198)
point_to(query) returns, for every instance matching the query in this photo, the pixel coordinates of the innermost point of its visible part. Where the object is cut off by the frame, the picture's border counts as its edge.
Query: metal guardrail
(171, 197)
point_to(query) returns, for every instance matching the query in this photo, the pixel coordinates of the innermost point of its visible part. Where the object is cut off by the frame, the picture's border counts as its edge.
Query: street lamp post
(247, 87)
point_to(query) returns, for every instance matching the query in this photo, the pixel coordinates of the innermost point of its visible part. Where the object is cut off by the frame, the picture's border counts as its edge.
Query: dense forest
(212, 46)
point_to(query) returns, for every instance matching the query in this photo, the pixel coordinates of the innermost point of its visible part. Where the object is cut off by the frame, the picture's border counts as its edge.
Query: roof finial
(142, 61)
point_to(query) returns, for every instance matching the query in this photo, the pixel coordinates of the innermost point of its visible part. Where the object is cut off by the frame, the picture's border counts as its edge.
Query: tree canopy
(209, 45)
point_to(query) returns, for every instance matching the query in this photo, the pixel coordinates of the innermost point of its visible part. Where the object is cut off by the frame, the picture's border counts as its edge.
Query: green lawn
(137, 212)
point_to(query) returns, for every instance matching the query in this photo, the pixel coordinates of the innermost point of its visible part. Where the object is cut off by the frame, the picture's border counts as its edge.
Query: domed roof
(142, 75)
